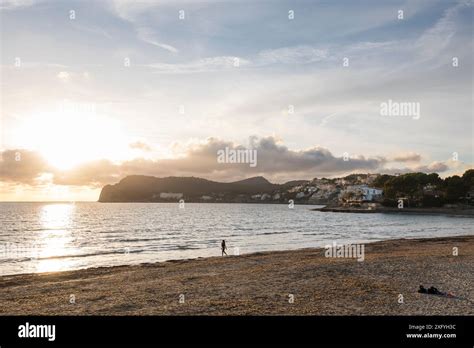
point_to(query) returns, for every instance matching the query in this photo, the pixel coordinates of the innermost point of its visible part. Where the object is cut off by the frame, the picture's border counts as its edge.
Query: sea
(50, 237)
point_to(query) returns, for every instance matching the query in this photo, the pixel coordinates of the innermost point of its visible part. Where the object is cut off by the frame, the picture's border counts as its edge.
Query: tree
(468, 178)
(456, 188)
(380, 180)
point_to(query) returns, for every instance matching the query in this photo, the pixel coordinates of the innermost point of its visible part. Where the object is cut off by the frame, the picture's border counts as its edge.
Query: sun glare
(55, 239)
(67, 139)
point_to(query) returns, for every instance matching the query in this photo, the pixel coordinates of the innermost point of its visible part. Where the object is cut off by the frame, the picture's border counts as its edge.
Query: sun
(68, 138)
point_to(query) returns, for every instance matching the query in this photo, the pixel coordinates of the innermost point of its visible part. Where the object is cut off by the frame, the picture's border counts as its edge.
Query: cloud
(63, 75)
(16, 4)
(22, 166)
(147, 35)
(130, 9)
(140, 145)
(94, 173)
(274, 160)
(434, 167)
(436, 39)
(68, 76)
(93, 29)
(291, 55)
(407, 157)
(35, 65)
(210, 64)
(283, 55)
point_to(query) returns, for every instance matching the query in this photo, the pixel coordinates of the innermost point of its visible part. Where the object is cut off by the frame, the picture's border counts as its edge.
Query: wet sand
(261, 284)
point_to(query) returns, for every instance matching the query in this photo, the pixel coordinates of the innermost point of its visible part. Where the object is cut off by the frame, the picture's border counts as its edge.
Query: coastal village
(354, 189)
(365, 191)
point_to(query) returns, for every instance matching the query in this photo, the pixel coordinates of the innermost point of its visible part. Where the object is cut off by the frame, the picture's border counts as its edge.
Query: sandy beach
(301, 282)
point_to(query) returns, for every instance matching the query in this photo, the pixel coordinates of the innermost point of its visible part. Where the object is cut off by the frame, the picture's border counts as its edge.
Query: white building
(371, 193)
(366, 193)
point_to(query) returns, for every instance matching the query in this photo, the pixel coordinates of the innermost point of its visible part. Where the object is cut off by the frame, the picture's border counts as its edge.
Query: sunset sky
(92, 91)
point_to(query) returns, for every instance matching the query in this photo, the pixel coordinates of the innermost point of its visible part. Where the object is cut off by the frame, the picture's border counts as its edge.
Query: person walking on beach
(224, 248)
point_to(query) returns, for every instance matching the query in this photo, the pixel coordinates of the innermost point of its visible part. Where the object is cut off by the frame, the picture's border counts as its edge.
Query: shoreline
(389, 210)
(260, 284)
(324, 207)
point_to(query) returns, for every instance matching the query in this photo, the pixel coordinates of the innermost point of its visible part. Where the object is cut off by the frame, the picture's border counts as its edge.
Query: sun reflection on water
(55, 240)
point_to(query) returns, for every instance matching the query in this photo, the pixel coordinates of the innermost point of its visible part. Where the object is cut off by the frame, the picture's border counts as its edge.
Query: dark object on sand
(422, 290)
(433, 291)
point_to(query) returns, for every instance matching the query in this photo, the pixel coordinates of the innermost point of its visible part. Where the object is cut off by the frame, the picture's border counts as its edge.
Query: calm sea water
(44, 237)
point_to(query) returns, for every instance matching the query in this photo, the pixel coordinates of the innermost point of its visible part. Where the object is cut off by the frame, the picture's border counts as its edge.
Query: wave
(118, 252)
(281, 232)
(138, 239)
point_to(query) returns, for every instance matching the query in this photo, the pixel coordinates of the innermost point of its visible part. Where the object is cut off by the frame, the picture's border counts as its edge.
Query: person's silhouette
(224, 248)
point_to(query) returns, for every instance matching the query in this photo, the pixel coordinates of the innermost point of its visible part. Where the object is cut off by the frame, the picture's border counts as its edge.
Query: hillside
(141, 188)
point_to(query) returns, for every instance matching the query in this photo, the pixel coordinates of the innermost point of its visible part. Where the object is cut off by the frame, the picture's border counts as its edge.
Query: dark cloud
(274, 160)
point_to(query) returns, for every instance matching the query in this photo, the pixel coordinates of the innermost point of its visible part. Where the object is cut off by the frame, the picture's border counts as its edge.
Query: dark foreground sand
(260, 283)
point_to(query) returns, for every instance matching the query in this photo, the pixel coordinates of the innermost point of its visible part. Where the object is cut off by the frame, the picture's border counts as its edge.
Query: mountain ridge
(143, 188)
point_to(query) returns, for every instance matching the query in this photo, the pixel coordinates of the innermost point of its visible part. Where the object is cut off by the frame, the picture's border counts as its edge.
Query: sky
(92, 91)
